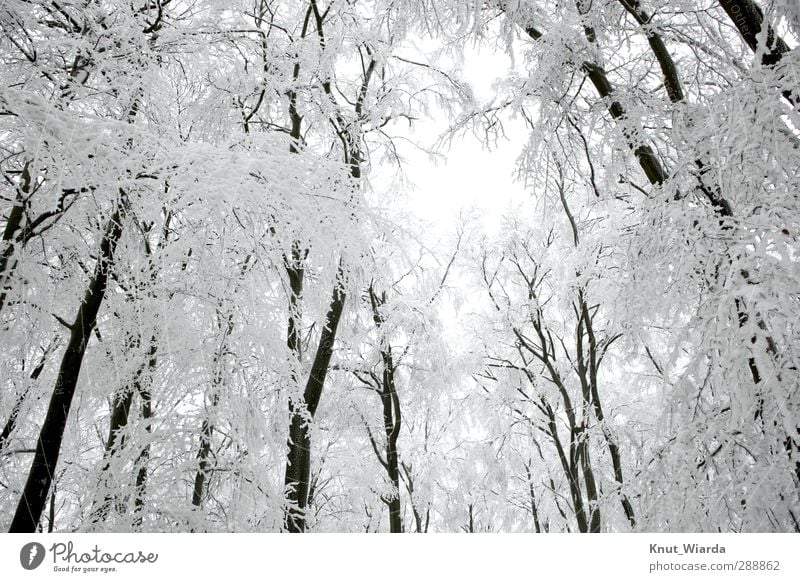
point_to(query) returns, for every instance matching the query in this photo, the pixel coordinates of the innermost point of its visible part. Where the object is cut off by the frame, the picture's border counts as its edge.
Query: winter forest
(219, 311)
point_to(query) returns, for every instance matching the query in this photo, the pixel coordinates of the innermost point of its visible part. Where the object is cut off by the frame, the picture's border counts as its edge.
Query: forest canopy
(219, 311)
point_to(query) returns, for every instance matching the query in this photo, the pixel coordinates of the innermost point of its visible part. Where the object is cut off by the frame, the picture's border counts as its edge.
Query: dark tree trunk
(298, 462)
(48, 446)
(142, 387)
(748, 19)
(123, 398)
(420, 524)
(391, 423)
(51, 517)
(532, 499)
(12, 224)
(207, 428)
(120, 411)
(225, 325)
(391, 416)
(668, 68)
(470, 527)
(592, 495)
(10, 233)
(588, 365)
(141, 462)
(298, 465)
(299, 443)
(206, 432)
(568, 467)
(11, 422)
(295, 271)
(298, 468)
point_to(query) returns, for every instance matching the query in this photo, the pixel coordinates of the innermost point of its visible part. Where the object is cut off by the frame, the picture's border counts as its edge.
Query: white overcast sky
(466, 178)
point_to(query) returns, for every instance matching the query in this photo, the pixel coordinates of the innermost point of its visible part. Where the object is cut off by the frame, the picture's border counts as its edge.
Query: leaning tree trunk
(48, 446)
(298, 464)
(298, 461)
(11, 422)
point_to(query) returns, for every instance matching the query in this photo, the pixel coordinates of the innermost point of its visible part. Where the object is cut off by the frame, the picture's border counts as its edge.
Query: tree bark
(144, 457)
(207, 427)
(391, 423)
(748, 19)
(391, 416)
(588, 374)
(298, 464)
(10, 235)
(532, 499)
(206, 432)
(668, 69)
(48, 446)
(11, 422)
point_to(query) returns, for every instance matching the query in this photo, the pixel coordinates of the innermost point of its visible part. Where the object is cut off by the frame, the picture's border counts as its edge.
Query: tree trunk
(298, 464)
(532, 499)
(207, 428)
(147, 413)
(120, 411)
(11, 422)
(420, 525)
(391, 423)
(748, 19)
(391, 416)
(588, 376)
(10, 236)
(206, 432)
(141, 462)
(48, 446)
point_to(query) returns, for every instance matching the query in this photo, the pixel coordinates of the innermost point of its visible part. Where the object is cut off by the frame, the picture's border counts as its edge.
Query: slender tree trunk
(120, 415)
(141, 462)
(298, 465)
(11, 235)
(568, 466)
(532, 499)
(419, 524)
(587, 370)
(143, 388)
(592, 496)
(668, 68)
(391, 415)
(11, 423)
(391, 423)
(470, 527)
(120, 411)
(19, 402)
(51, 517)
(48, 446)
(207, 428)
(206, 433)
(123, 398)
(298, 468)
(297, 479)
